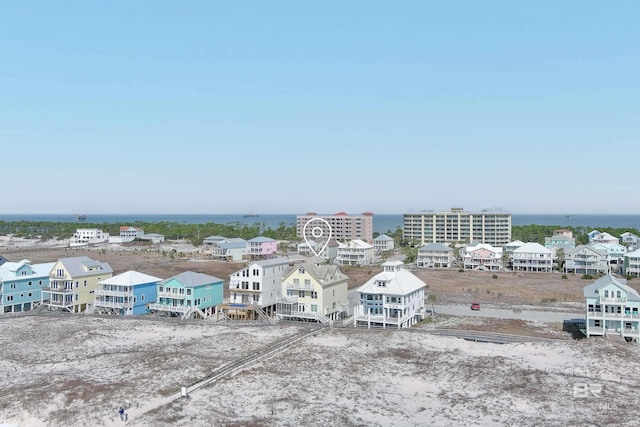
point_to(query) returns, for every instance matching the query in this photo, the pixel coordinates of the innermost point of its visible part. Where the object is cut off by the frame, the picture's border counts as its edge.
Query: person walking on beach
(121, 412)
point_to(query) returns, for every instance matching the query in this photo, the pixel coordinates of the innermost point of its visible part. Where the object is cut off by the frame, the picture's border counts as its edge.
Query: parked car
(475, 306)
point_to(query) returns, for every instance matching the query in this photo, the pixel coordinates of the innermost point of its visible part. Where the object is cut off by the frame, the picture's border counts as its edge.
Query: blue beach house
(22, 284)
(126, 294)
(188, 294)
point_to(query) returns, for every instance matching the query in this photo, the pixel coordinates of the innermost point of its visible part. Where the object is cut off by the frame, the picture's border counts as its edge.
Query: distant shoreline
(381, 222)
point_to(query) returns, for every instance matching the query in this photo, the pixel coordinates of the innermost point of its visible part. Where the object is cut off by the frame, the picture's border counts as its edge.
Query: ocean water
(381, 223)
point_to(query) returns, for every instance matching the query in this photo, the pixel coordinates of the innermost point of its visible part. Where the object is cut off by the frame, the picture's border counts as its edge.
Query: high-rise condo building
(487, 226)
(343, 226)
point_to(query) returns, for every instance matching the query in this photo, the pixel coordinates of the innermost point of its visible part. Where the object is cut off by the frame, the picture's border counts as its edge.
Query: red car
(475, 306)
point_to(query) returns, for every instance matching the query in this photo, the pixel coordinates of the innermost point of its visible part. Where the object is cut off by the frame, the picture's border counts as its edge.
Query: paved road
(527, 315)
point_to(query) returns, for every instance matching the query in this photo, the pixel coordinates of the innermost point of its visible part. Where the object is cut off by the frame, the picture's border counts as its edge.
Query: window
(30, 294)
(141, 298)
(76, 294)
(29, 284)
(301, 294)
(334, 304)
(256, 286)
(188, 291)
(301, 270)
(307, 282)
(9, 297)
(77, 284)
(314, 308)
(13, 286)
(161, 289)
(85, 283)
(314, 294)
(135, 300)
(296, 281)
(39, 282)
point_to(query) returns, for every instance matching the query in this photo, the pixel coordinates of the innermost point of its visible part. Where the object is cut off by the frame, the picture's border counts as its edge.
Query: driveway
(526, 315)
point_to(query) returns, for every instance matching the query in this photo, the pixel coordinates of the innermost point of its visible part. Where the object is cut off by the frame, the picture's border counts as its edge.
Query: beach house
(355, 252)
(88, 236)
(631, 240)
(383, 243)
(188, 295)
(73, 282)
(392, 298)
(435, 255)
(532, 257)
(632, 263)
(482, 256)
(585, 259)
(231, 249)
(22, 285)
(612, 309)
(261, 247)
(313, 292)
(311, 247)
(126, 294)
(258, 284)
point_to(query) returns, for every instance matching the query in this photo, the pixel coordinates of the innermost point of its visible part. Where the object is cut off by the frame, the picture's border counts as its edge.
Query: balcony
(615, 300)
(172, 295)
(181, 308)
(110, 293)
(114, 304)
(299, 287)
(59, 290)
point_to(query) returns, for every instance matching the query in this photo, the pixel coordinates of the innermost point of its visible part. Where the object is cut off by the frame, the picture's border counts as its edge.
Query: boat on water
(251, 215)
(81, 217)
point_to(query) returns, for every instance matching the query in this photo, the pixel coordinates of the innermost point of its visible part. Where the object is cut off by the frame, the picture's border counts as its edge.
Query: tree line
(194, 233)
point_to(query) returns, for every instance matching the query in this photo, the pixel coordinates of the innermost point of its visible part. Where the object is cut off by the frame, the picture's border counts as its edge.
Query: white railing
(165, 294)
(110, 293)
(113, 304)
(168, 307)
(613, 299)
(298, 287)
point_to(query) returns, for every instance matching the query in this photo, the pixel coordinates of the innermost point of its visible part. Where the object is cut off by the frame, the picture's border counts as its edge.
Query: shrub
(460, 270)
(564, 276)
(587, 276)
(495, 276)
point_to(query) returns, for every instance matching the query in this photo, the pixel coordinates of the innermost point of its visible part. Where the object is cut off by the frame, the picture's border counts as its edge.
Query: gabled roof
(532, 248)
(356, 243)
(8, 269)
(591, 291)
(215, 238)
(228, 244)
(153, 235)
(398, 282)
(325, 274)
(270, 262)
(634, 254)
(515, 243)
(78, 266)
(191, 279)
(435, 247)
(130, 278)
(261, 239)
(383, 238)
(608, 245)
(129, 227)
(483, 246)
(579, 248)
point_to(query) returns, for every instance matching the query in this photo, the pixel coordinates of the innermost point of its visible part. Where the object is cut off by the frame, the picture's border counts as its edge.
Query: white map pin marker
(319, 228)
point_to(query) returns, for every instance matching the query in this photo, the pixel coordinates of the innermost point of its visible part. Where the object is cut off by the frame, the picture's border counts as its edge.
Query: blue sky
(293, 106)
